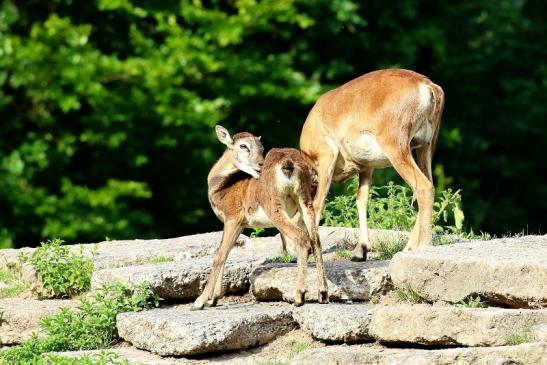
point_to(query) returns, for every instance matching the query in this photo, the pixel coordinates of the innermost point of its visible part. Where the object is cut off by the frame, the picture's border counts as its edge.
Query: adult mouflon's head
(247, 150)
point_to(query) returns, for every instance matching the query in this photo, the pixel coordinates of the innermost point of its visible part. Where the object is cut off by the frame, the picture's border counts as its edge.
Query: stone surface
(20, 318)
(525, 354)
(133, 355)
(178, 331)
(336, 322)
(448, 325)
(356, 281)
(120, 253)
(111, 254)
(539, 332)
(509, 271)
(181, 279)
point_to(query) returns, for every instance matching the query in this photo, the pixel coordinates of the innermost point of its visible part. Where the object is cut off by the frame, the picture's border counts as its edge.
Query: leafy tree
(108, 107)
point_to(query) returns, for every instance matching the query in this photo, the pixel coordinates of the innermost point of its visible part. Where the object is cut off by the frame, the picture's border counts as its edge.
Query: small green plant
(63, 273)
(345, 254)
(471, 302)
(287, 258)
(408, 294)
(161, 259)
(387, 247)
(519, 338)
(91, 326)
(257, 232)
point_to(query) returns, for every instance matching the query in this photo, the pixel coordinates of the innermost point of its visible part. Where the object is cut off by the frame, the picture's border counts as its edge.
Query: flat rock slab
(333, 322)
(447, 325)
(181, 279)
(355, 281)
(539, 332)
(179, 331)
(112, 254)
(525, 354)
(509, 271)
(20, 318)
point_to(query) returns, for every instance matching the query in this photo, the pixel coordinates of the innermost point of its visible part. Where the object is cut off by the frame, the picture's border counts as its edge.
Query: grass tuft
(386, 248)
(161, 259)
(519, 338)
(408, 294)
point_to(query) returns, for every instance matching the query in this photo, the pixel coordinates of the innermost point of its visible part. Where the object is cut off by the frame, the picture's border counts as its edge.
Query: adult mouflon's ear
(223, 135)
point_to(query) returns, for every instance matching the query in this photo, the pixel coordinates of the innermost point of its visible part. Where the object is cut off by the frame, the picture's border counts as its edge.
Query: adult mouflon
(375, 121)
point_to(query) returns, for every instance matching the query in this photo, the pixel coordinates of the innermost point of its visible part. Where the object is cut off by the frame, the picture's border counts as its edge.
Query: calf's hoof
(323, 297)
(359, 254)
(299, 299)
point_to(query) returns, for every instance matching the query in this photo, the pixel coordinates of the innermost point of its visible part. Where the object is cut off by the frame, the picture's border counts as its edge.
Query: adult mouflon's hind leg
(423, 190)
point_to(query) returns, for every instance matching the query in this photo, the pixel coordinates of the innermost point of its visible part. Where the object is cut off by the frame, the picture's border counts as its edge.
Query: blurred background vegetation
(107, 107)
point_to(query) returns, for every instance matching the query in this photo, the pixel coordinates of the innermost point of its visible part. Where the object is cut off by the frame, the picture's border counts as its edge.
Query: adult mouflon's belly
(365, 151)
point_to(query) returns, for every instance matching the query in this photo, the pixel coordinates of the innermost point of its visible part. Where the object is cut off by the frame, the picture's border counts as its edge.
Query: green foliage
(408, 294)
(91, 326)
(471, 302)
(100, 100)
(519, 338)
(63, 273)
(392, 206)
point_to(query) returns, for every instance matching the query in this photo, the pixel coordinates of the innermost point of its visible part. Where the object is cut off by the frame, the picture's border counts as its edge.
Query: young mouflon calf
(276, 194)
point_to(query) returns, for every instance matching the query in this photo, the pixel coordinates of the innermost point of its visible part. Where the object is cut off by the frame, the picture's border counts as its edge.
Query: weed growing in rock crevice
(408, 294)
(92, 325)
(519, 338)
(471, 302)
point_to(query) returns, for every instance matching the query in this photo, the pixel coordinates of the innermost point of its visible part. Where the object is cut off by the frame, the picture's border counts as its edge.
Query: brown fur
(283, 192)
(389, 106)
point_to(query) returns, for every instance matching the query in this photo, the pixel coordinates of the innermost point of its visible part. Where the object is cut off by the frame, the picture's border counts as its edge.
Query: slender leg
(424, 156)
(325, 170)
(232, 229)
(423, 190)
(308, 216)
(364, 244)
(283, 245)
(299, 237)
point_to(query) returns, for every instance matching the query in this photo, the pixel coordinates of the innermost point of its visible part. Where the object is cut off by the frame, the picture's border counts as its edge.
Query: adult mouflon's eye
(244, 147)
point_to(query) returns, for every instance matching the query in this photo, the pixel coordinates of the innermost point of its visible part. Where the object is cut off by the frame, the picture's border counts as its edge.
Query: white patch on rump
(259, 219)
